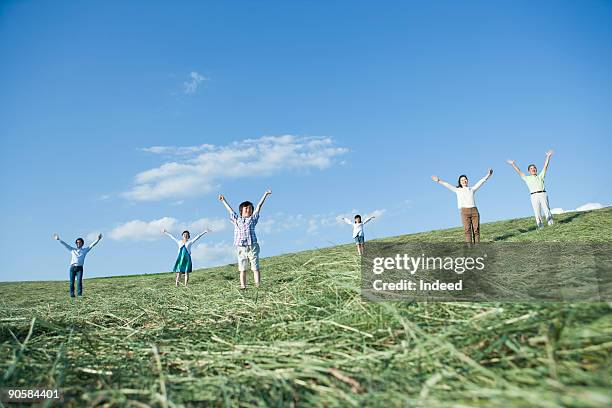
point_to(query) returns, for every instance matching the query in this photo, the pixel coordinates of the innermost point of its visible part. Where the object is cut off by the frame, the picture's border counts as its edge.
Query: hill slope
(307, 338)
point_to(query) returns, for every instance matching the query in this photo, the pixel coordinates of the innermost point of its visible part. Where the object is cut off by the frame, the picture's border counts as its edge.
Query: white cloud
(266, 225)
(199, 169)
(583, 207)
(279, 222)
(213, 254)
(178, 150)
(194, 82)
(214, 224)
(322, 221)
(589, 207)
(313, 226)
(376, 213)
(137, 230)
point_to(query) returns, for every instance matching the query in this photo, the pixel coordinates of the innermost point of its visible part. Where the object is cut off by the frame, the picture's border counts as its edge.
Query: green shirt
(535, 183)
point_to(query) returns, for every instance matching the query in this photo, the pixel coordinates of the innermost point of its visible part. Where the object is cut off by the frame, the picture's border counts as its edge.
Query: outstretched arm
(57, 238)
(346, 220)
(513, 164)
(170, 235)
(482, 180)
(225, 204)
(444, 183)
(369, 219)
(547, 162)
(93, 244)
(199, 236)
(262, 201)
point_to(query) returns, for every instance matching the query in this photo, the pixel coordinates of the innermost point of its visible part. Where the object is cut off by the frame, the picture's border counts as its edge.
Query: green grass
(307, 338)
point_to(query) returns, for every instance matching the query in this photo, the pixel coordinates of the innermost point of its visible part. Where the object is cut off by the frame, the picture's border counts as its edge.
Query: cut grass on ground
(307, 338)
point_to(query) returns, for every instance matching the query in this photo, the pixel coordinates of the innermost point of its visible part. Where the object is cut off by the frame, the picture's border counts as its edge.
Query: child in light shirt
(245, 239)
(358, 234)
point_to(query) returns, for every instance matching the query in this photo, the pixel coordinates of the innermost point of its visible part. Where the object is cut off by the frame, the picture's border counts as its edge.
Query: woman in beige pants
(465, 201)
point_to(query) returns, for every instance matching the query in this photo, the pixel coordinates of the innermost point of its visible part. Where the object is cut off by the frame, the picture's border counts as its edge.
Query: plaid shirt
(244, 229)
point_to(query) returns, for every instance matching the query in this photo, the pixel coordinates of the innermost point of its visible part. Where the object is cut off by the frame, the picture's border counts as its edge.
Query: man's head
(186, 235)
(246, 209)
(532, 169)
(463, 181)
(358, 218)
(79, 242)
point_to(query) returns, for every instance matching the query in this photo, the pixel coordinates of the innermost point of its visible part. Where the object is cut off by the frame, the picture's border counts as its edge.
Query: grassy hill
(307, 338)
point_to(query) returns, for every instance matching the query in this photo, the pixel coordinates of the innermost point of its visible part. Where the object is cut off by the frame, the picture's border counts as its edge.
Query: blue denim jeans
(76, 272)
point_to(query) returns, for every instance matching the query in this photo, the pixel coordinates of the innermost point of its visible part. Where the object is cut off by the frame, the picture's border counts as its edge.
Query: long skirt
(183, 262)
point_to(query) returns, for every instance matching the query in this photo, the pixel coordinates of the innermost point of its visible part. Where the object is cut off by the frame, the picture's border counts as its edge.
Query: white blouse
(187, 244)
(465, 195)
(357, 226)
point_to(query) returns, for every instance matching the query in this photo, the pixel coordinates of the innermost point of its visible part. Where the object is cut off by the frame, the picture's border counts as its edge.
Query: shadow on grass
(511, 234)
(571, 218)
(514, 233)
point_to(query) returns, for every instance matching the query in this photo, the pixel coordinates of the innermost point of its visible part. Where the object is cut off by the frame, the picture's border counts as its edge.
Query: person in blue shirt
(77, 260)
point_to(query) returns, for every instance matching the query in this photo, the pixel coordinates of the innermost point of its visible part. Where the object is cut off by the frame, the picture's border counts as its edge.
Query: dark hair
(186, 232)
(79, 239)
(528, 167)
(244, 204)
(459, 180)
(358, 216)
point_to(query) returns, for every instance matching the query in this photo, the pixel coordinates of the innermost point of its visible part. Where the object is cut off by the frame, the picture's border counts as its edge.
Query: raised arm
(369, 219)
(346, 220)
(199, 236)
(57, 238)
(513, 164)
(262, 201)
(547, 162)
(93, 244)
(171, 236)
(444, 183)
(225, 204)
(482, 180)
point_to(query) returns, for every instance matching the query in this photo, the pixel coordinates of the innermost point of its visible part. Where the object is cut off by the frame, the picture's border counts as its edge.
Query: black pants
(76, 272)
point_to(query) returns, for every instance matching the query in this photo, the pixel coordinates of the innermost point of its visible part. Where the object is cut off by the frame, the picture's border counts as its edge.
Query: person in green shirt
(535, 183)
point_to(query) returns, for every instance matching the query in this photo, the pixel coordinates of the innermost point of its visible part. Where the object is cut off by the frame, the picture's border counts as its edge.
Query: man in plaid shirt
(245, 240)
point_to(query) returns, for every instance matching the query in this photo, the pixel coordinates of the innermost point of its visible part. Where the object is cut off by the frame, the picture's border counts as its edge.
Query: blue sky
(126, 117)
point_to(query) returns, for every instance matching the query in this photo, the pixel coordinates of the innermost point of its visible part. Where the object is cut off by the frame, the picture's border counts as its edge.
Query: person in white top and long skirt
(470, 217)
(183, 264)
